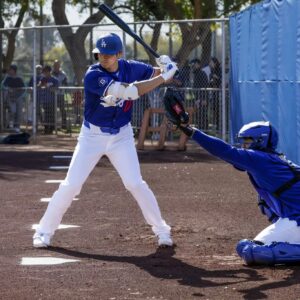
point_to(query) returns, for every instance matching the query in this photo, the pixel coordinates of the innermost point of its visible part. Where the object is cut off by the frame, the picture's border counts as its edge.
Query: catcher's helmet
(263, 135)
(109, 44)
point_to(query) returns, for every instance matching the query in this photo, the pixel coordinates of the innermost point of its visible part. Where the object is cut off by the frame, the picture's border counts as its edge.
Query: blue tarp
(265, 70)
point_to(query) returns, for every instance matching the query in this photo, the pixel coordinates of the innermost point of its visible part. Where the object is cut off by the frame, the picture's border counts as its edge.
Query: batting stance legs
(120, 149)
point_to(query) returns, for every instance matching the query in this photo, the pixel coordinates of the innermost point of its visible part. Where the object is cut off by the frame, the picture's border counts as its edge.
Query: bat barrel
(107, 11)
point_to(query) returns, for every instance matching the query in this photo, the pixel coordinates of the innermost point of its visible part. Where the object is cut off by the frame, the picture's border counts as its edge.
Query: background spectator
(61, 77)
(184, 74)
(200, 84)
(215, 81)
(14, 97)
(215, 77)
(39, 69)
(155, 98)
(46, 97)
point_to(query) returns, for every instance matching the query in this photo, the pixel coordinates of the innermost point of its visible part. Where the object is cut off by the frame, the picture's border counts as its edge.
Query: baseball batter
(276, 180)
(110, 87)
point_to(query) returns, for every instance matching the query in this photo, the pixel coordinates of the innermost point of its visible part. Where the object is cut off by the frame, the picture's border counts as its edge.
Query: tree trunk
(192, 37)
(11, 37)
(74, 42)
(153, 42)
(10, 51)
(206, 52)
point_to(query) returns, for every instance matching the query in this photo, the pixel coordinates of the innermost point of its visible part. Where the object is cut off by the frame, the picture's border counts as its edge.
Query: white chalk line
(62, 156)
(48, 199)
(54, 181)
(61, 226)
(58, 167)
(35, 261)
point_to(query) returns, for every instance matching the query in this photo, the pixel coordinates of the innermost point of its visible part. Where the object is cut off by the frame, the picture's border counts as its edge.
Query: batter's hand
(109, 100)
(169, 71)
(163, 61)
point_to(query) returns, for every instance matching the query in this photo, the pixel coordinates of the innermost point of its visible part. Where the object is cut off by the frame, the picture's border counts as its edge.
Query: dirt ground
(209, 205)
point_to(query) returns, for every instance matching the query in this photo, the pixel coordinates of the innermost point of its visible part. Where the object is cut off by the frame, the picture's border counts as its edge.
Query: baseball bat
(107, 11)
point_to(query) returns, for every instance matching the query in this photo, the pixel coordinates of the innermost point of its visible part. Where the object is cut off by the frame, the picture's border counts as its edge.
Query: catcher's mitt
(174, 109)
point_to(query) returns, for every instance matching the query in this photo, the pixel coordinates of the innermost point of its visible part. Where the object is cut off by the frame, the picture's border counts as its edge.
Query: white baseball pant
(283, 230)
(120, 149)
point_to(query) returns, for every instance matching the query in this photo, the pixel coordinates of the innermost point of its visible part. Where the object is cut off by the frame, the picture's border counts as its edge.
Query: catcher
(276, 180)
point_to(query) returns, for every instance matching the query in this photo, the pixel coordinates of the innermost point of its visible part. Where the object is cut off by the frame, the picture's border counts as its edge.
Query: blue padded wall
(265, 70)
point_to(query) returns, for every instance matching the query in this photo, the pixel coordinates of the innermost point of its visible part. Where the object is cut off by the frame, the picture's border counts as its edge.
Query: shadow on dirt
(257, 292)
(162, 264)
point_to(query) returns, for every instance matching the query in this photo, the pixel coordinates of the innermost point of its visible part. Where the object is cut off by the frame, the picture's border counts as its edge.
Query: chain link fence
(45, 109)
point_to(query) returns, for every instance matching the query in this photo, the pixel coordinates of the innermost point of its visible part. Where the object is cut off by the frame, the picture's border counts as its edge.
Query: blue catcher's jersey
(96, 82)
(267, 172)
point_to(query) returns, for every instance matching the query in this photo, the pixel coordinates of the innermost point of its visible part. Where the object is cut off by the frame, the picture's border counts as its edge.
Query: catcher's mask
(259, 136)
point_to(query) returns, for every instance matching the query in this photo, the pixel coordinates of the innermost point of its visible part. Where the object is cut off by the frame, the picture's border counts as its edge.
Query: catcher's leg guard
(241, 245)
(276, 253)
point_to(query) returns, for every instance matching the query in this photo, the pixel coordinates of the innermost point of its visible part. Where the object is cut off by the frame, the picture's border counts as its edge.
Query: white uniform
(106, 131)
(121, 151)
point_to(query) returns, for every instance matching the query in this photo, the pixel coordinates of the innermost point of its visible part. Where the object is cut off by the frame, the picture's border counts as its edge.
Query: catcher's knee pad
(276, 253)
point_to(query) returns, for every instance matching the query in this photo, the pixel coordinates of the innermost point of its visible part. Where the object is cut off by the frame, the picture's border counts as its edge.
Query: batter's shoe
(164, 240)
(41, 240)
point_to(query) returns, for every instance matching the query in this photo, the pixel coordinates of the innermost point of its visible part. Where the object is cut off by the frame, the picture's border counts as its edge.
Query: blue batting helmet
(263, 135)
(109, 44)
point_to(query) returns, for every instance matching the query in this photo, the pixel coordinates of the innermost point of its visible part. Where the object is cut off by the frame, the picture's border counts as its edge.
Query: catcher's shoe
(41, 240)
(165, 240)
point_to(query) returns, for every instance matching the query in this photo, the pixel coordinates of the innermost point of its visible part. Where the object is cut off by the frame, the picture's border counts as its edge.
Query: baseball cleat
(41, 240)
(164, 240)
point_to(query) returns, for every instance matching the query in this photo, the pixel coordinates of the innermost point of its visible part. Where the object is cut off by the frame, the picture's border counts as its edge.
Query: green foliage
(12, 7)
(187, 8)
(83, 5)
(231, 6)
(156, 9)
(57, 52)
(145, 10)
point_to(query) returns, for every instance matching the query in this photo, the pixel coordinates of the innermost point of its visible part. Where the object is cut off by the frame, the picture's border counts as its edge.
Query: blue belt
(109, 130)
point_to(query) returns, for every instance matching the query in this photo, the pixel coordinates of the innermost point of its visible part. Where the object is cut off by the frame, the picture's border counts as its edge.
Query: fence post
(34, 94)
(1, 109)
(55, 110)
(223, 83)
(170, 40)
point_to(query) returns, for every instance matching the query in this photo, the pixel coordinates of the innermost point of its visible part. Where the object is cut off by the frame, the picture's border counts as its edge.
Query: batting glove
(109, 100)
(169, 71)
(163, 61)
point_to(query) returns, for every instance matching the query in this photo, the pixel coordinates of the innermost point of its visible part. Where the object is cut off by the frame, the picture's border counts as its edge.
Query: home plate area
(103, 248)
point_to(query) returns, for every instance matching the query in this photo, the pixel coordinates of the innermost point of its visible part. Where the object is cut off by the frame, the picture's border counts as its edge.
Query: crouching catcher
(273, 176)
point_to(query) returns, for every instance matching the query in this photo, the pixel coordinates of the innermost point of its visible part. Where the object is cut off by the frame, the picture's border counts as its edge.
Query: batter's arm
(159, 78)
(156, 72)
(136, 89)
(146, 86)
